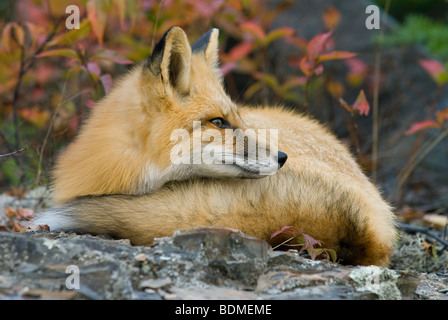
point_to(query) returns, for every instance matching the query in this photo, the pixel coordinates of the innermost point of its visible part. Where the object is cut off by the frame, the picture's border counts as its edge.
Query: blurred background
(382, 91)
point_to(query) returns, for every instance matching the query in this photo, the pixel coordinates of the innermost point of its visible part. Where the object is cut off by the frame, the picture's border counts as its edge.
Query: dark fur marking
(202, 44)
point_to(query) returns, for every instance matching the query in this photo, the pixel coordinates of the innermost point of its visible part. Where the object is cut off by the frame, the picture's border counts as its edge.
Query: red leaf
(110, 55)
(336, 55)
(435, 69)
(442, 115)
(35, 116)
(39, 227)
(90, 103)
(94, 69)
(278, 33)
(227, 67)
(286, 230)
(310, 241)
(307, 66)
(297, 41)
(331, 17)
(361, 104)
(6, 37)
(17, 227)
(97, 19)
(358, 70)
(106, 81)
(317, 44)
(239, 51)
(418, 126)
(253, 28)
(295, 82)
(25, 213)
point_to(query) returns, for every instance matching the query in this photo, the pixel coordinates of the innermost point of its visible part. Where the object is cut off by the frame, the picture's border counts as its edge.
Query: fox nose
(281, 158)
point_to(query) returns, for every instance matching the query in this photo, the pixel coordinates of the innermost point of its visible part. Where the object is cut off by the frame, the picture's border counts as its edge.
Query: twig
(25, 65)
(13, 153)
(50, 128)
(306, 104)
(424, 230)
(376, 93)
(286, 241)
(156, 23)
(408, 169)
(352, 128)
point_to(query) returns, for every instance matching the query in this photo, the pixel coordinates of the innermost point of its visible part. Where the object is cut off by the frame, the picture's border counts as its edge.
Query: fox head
(169, 119)
(196, 127)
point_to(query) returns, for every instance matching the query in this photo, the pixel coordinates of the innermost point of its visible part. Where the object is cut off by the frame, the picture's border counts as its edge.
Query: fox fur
(117, 178)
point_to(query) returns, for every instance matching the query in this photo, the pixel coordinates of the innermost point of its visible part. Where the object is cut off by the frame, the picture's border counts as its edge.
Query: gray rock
(199, 263)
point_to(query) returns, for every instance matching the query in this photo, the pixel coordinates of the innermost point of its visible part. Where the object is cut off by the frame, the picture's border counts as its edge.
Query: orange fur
(125, 145)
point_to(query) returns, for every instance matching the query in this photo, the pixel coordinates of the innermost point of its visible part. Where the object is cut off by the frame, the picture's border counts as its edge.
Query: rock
(379, 281)
(198, 263)
(155, 283)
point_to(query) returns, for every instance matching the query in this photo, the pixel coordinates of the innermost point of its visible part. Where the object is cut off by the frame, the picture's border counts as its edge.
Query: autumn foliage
(51, 75)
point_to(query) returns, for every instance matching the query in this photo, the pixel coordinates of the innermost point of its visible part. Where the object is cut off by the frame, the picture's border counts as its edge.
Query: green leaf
(278, 33)
(332, 254)
(59, 52)
(72, 36)
(110, 55)
(436, 70)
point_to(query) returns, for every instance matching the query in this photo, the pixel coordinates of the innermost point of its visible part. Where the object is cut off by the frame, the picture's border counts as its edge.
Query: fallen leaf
(39, 227)
(17, 227)
(25, 213)
(10, 212)
(408, 213)
(437, 221)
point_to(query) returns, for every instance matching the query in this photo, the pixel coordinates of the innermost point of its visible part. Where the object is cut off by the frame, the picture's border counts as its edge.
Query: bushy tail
(127, 217)
(94, 215)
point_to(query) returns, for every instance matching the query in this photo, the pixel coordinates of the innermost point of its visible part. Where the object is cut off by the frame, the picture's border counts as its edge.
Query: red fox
(123, 174)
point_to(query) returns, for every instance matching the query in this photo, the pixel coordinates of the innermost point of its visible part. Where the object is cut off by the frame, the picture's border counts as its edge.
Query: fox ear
(171, 59)
(208, 45)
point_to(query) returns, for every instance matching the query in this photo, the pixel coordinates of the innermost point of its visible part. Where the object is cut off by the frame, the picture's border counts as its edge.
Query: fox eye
(220, 123)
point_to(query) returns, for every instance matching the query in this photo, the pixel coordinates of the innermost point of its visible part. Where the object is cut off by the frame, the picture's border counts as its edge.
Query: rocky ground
(202, 263)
